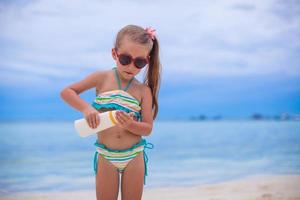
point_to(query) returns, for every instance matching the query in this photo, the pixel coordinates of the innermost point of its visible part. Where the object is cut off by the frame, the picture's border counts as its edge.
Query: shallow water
(51, 156)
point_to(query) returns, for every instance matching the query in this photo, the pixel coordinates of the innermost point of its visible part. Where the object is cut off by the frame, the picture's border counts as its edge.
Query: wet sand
(263, 187)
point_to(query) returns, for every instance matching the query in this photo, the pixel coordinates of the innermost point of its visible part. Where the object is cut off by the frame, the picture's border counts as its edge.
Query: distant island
(254, 116)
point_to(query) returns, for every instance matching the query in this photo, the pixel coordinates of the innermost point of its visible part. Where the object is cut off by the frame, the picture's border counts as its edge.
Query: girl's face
(135, 50)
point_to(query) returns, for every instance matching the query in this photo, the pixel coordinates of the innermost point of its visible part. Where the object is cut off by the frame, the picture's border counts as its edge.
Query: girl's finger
(120, 120)
(94, 121)
(89, 120)
(125, 115)
(120, 114)
(97, 120)
(131, 114)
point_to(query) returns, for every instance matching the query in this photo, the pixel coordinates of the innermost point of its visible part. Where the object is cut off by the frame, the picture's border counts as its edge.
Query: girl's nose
(131, 65)
(132, 68)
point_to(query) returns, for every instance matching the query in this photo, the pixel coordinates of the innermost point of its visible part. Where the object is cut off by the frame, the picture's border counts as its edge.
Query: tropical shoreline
(258, 187)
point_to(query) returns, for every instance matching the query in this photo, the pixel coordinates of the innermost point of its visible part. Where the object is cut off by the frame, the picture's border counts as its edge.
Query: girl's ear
(113, 53)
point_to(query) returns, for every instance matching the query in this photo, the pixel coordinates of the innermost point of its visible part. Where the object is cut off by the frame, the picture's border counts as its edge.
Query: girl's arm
(144, 127)
(70, 94)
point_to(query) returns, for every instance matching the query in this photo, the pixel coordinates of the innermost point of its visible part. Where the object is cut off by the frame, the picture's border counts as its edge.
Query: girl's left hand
(124, 119)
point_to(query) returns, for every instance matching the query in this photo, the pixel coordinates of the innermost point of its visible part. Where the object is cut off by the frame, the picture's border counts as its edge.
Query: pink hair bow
(151, 32)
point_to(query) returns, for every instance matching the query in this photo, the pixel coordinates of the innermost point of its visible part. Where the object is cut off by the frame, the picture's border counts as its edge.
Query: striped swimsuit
(120, 100)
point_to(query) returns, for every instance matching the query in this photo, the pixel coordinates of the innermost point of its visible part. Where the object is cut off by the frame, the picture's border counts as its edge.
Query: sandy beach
(263, 187)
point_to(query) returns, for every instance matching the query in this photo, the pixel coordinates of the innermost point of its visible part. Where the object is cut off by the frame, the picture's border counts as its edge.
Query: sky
(219, 58)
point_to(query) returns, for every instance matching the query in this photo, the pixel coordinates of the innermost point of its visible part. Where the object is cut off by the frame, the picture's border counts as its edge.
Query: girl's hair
(152, 79)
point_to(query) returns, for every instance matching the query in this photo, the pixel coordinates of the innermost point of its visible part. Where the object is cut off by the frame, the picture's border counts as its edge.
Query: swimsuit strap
(119, 82)
(146, 146)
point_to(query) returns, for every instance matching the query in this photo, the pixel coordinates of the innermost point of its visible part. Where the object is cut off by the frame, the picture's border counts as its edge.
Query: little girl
(120, 149)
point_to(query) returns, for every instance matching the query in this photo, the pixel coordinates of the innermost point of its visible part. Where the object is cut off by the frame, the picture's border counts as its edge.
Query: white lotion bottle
(107, 120)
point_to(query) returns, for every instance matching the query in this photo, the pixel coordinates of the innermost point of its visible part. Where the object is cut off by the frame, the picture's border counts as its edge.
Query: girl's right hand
(92, 117)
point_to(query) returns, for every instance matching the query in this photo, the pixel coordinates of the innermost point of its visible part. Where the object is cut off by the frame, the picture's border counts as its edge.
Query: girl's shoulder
(103, 76)
(102, 72)
(89, 81)
(141, 85)
(143, 88)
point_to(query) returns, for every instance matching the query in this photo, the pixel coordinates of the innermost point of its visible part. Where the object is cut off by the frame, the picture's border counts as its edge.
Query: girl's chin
(127, 75)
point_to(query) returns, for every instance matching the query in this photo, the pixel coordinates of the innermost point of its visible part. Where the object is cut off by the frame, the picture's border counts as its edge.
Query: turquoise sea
(44, 156)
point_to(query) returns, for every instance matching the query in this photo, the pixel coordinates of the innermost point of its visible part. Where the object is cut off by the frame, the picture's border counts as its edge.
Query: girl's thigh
(133, 179)
(107, 180)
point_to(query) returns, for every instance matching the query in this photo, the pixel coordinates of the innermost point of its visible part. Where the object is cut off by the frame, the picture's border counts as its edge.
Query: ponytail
(153, 76)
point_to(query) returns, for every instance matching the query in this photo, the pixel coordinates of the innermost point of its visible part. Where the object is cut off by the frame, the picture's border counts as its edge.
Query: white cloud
(224, 38)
